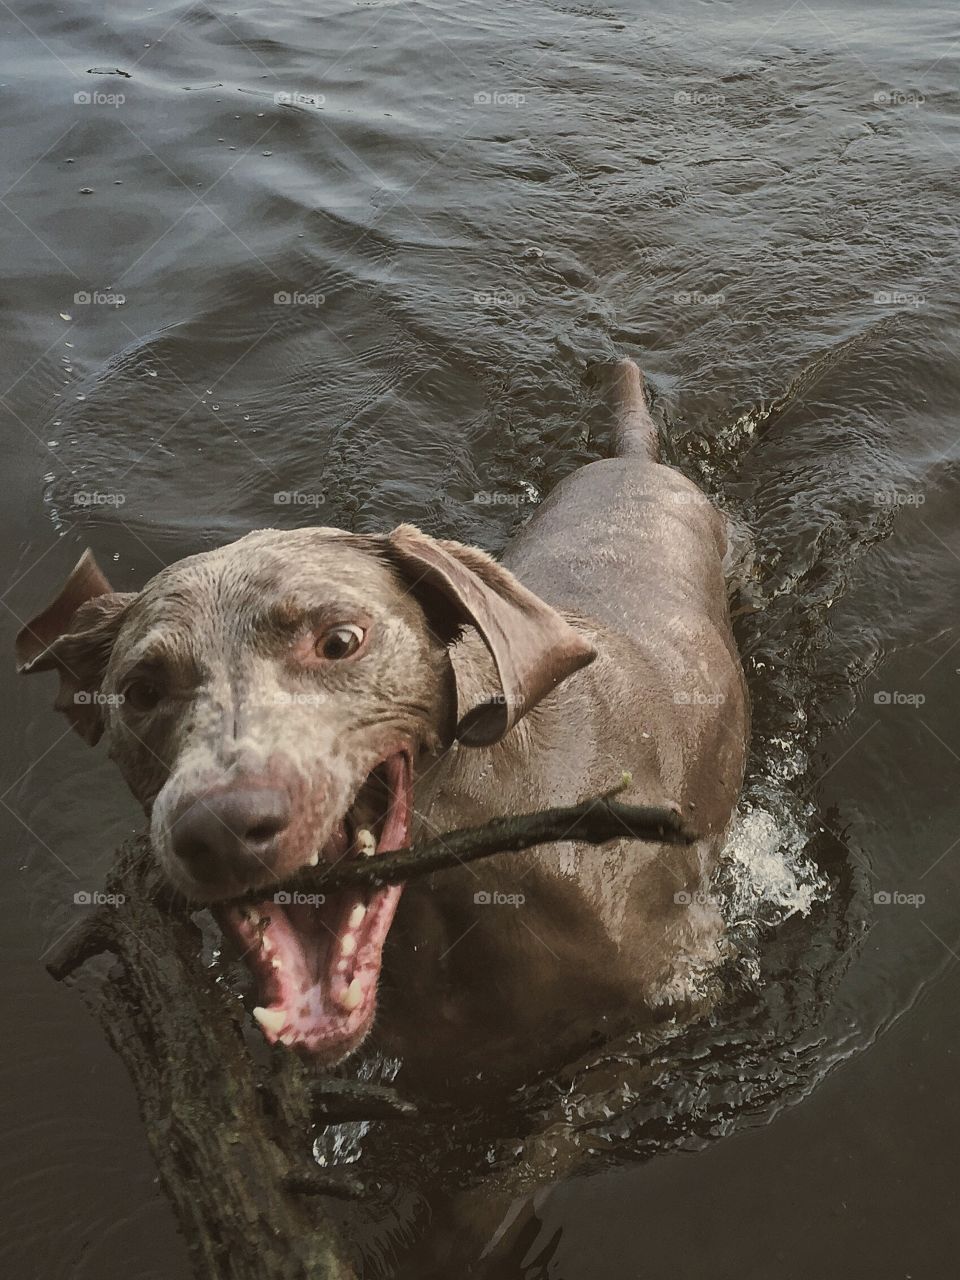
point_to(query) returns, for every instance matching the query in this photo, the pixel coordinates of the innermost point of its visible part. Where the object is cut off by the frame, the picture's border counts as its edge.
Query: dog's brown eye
(340, 642)
(142, 695)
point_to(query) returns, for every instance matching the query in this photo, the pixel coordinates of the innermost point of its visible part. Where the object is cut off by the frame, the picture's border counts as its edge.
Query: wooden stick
(592, 822)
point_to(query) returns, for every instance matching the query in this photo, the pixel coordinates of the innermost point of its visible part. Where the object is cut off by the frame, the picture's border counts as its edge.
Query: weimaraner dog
(314, 694)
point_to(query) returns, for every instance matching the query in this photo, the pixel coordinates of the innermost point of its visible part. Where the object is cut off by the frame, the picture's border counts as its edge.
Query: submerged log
(224, 1144)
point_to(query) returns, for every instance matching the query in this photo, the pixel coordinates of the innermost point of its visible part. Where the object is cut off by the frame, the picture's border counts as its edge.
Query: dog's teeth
(352, 996)
(356, 916)
(277, 964)
(315, 860)
(270, 1019)
(253, 917)
(366, 843)
(348, 944)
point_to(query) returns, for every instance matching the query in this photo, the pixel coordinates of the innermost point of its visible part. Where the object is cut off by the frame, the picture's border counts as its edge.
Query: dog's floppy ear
(532, 646)
(74, 636)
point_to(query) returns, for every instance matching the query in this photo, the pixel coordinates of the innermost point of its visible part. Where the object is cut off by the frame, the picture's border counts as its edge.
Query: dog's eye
(340, 642)
(142, 695)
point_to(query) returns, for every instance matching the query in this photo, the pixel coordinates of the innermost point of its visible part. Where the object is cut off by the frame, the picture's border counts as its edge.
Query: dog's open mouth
(315, 959)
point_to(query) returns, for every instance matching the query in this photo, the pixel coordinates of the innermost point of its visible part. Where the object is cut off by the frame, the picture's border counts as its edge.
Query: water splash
(339, 1144)
(766, 874)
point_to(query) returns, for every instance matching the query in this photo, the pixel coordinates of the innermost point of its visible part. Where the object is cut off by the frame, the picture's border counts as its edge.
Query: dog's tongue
(316, 964)
(316, 960)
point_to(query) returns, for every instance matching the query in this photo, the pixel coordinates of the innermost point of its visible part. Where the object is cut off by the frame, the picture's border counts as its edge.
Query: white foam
(766, 875)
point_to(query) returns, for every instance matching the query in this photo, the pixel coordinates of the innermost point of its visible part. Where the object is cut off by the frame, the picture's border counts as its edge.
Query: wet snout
(231, 835)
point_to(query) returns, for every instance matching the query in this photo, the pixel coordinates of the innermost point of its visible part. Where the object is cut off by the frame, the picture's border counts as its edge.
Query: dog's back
(633, 552)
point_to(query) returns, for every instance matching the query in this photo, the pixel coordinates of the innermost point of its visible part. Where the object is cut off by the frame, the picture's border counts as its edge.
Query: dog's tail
(635, 431)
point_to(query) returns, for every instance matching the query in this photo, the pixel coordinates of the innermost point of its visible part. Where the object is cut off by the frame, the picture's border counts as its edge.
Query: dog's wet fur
(315, 694)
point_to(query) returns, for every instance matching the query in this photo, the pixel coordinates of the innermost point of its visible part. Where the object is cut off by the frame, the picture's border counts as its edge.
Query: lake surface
(366, 253)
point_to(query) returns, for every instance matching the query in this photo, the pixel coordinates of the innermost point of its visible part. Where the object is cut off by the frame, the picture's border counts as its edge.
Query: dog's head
(270, 704)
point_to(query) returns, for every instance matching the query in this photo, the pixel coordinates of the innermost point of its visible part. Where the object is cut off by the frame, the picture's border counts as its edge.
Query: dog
(302, 696)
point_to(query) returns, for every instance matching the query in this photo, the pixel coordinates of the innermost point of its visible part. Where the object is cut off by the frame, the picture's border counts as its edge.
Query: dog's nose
(231, 835)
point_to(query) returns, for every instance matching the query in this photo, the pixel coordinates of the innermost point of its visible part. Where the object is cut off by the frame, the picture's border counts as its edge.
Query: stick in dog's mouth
(316, 957)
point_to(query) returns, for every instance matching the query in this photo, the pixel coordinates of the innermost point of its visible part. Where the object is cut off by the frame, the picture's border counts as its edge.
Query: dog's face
(270, 704)
(256, 695)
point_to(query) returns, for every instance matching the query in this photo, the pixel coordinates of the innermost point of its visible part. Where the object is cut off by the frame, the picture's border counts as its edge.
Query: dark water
(469, 204)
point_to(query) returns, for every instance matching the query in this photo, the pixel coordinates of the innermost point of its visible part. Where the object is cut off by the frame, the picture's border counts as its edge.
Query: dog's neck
(529, 769)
